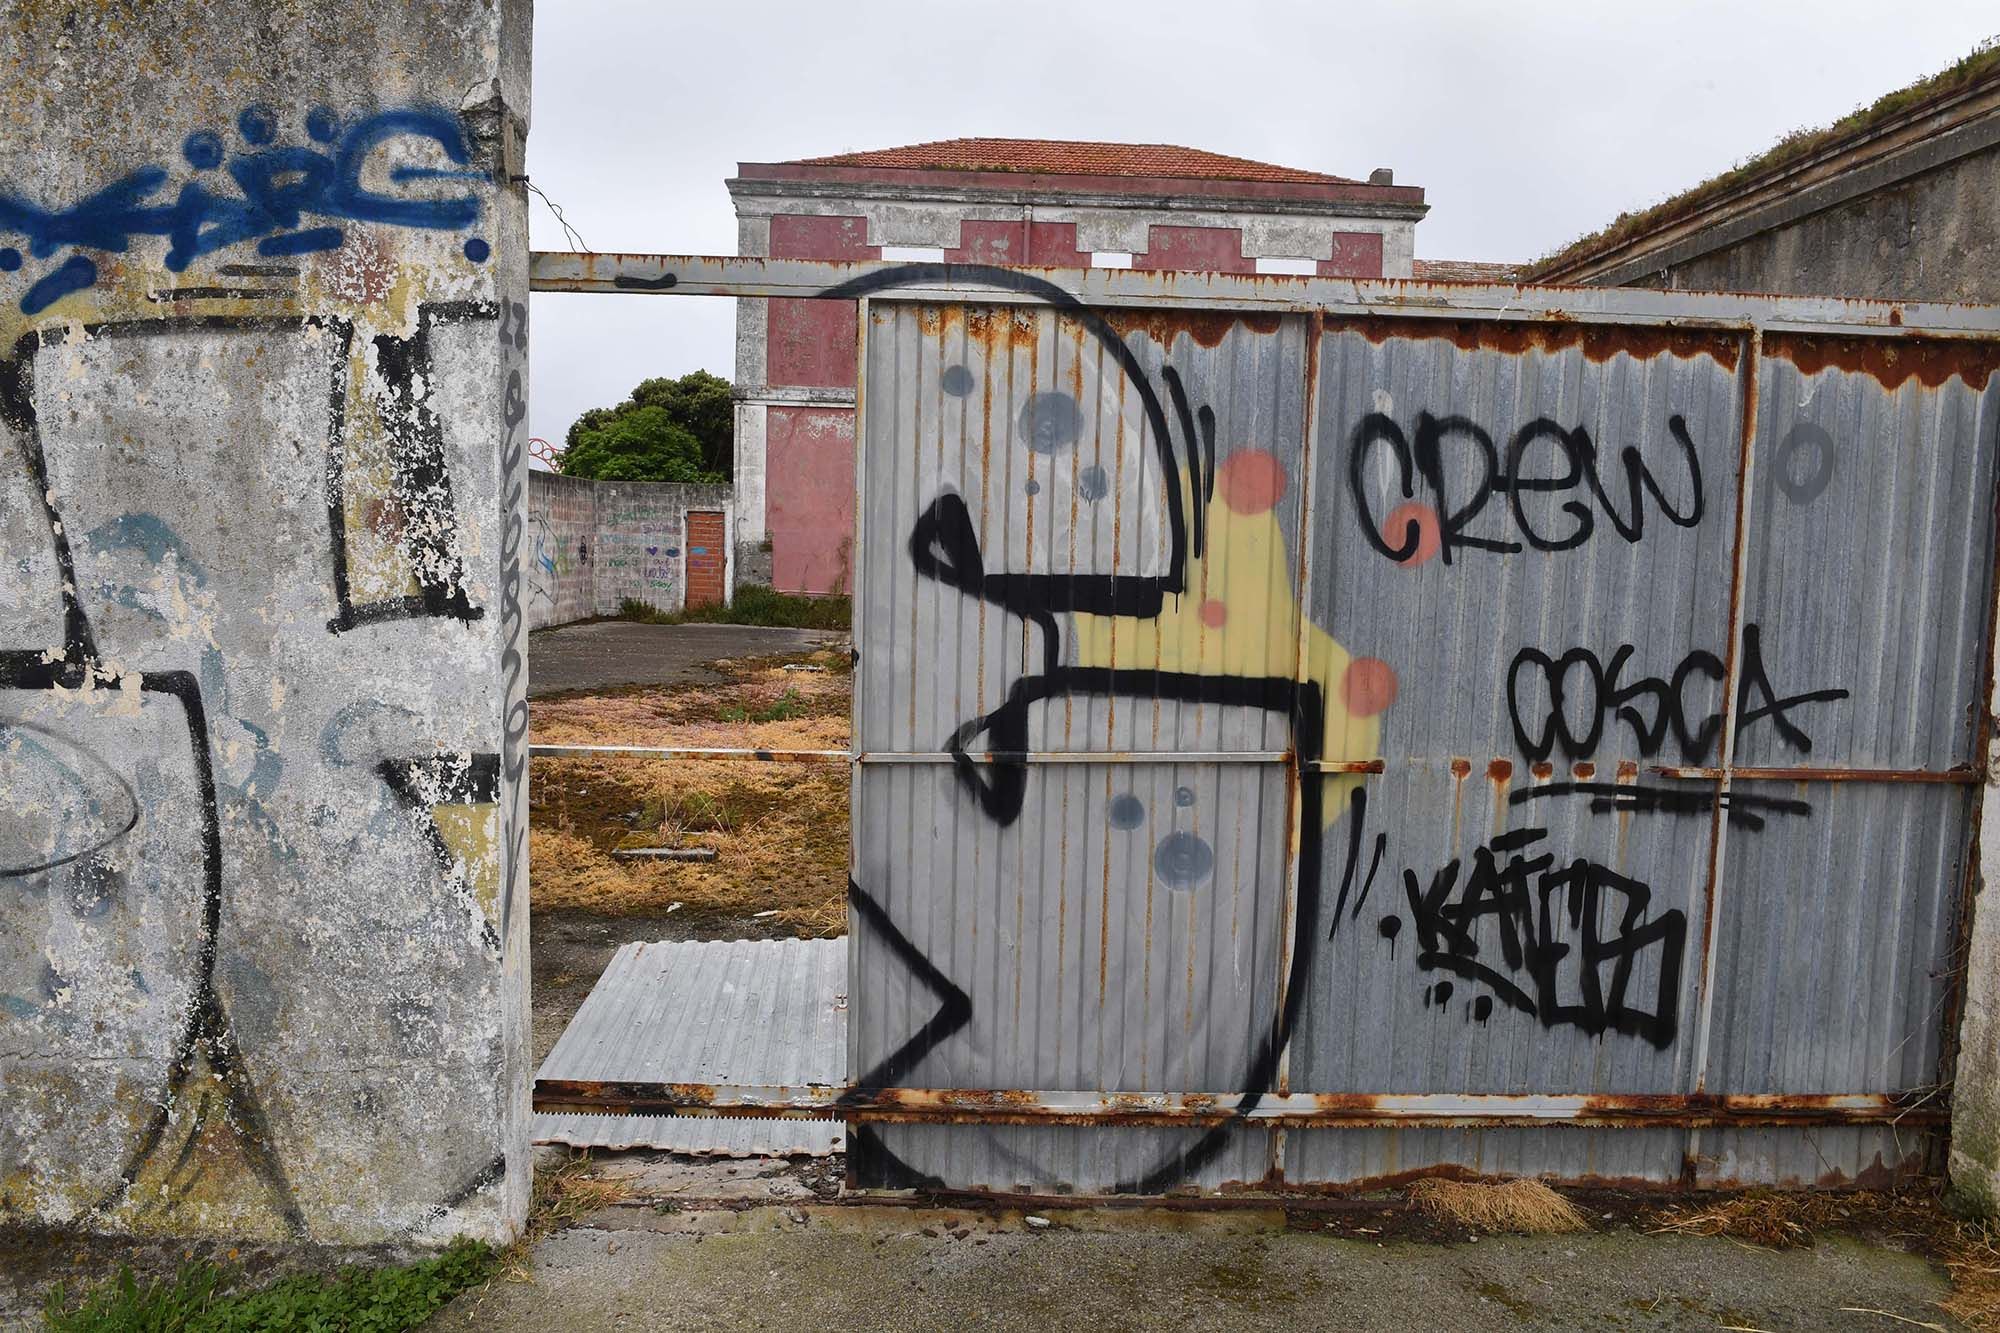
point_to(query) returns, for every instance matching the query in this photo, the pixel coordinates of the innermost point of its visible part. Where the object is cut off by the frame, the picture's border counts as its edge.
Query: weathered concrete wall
(263, 881)
(1975, 1100)
(596, 544)
(1930, 237)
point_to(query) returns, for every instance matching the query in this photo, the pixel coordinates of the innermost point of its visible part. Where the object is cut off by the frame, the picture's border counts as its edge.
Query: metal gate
(1310, 732)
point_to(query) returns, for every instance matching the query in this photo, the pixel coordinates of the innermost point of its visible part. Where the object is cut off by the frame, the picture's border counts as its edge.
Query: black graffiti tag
(1582, 466)
(1547, 955)
(1583, 694)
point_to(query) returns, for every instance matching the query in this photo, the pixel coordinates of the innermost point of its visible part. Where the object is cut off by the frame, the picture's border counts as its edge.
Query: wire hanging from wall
(576, 241)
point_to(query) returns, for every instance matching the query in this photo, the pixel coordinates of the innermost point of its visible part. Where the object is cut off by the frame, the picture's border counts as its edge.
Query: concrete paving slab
(818, 1267)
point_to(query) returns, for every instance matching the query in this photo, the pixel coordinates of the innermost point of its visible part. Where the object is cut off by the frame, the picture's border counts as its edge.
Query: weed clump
(211, 1298)
(752, 605)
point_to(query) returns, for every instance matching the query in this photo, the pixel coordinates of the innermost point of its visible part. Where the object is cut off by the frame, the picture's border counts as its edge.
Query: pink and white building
(990, 201)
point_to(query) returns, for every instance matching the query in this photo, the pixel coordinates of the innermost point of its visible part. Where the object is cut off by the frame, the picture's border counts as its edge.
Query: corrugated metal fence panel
(1422, 427)
(1870, 551)
(1016, 444)
(1094, 959)
(1385, 1012)
(1082, 535)
(1834, 939)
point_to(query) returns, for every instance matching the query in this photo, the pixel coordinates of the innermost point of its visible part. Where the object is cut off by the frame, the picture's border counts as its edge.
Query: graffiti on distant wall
(191, 759)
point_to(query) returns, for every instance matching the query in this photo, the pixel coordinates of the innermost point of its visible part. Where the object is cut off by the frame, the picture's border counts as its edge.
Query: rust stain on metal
(1583, 769)
(1207, 327)
(1892, 362)
(1597, 342)
(1501, 770)
(1460, 767)
(1891, 775)
(1542, 770)
(1628, 769)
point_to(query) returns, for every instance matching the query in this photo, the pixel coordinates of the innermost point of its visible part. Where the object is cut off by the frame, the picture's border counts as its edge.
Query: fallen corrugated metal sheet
(692, 1135)
(707, 1012)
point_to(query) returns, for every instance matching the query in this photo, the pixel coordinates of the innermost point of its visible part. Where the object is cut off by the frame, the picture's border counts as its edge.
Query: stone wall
(595, 545)
(263, 868)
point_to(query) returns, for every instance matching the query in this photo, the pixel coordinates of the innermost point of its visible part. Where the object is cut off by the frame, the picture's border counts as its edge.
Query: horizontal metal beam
(937, 756)
(1299, 1110)
(1963, 776)
(1738, 773)
(723, 275)
(688, 752)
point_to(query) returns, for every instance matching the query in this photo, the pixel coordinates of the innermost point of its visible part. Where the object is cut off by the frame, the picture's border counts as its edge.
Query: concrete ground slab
(606, 654)
(800, 1268)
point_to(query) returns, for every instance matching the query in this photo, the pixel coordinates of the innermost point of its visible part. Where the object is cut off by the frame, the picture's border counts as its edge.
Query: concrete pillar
(1975, 1093)
(263, 462)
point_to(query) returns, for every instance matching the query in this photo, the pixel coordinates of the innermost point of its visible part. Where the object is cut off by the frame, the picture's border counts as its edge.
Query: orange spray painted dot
(1396, 532)
(1251, 480)
(1214, 613)
(1368, 687)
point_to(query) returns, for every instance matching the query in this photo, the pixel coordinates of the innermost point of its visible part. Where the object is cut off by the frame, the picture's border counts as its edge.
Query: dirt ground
(779, 830)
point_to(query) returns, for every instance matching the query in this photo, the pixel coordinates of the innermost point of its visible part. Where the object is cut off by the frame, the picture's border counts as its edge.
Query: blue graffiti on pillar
(279, 187)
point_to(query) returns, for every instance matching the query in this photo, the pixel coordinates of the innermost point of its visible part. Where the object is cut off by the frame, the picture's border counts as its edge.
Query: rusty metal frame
(1317, 298)
(722, 275)
(1199, 1110)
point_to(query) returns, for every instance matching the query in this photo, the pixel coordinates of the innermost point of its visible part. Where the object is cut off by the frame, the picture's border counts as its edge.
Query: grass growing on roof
(1981, 61)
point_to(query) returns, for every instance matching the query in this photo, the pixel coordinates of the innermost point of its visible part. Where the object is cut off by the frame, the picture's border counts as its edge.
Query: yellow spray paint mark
(1240, 617)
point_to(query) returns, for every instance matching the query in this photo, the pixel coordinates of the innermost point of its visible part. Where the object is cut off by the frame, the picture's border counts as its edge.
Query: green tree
(668, 430)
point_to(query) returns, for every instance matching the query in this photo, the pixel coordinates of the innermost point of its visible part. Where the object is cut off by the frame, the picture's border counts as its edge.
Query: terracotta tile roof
(1065, 157)
(1463, 270)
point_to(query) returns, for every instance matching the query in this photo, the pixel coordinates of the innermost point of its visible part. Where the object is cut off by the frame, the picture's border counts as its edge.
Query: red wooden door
(704, 557)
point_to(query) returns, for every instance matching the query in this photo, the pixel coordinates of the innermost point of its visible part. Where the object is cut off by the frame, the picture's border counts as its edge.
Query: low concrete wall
(597, 544)
(263, 731)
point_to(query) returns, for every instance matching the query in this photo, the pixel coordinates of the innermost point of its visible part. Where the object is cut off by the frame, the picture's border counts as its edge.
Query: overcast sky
(1527, 122)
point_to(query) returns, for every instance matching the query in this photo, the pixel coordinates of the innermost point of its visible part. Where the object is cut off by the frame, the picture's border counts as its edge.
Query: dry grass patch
(1969, 1252)
(1972, 1257)
(780, 830)
(1513, 1205)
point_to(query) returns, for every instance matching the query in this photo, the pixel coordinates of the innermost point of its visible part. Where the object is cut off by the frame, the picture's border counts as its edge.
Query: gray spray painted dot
(1127, 811)
(1183, 797)
(1805, 462)
(1031, 487)
(1050, 422)
(1092, 484)
(1183, 860)
(956, 381)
